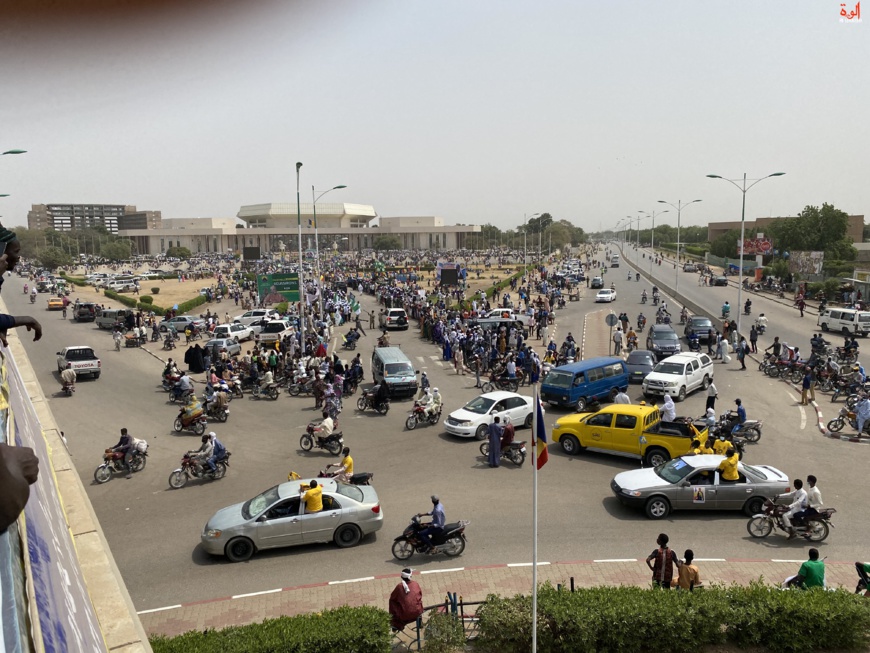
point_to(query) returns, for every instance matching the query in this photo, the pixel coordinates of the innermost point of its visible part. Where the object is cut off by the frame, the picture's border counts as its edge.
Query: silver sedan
(230, 344)
(694, 483)
(277, 518)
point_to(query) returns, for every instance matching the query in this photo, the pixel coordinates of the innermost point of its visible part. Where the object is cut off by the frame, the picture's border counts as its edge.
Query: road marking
(617, 560)
(526, 564)
(710, 559)
(442, 571)
(435, 358)
(803, 418)
(244, 596)
(351, 580)
(168, 607)
(421, 359)
(795, 561)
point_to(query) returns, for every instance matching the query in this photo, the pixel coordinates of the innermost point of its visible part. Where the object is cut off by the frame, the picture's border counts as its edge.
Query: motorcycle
(418, 416)
(155, 335)
(450, 541)
(643, 299)
(268, 392)
(726, 313)
(747, 309)
(68, 389)
(169, 380)
(815, 528)
(196, 424)
(168, 343)
(302, 386)
(214, 411)
(641, 323)
(368, 401)
(500, 383)
(516, 452)
(363, 478)
(750, 430)
(177, 394)
(847, 416)
(655, 300)
(761, 327)
(684, 316)
(191, 469)
(694, 342)
(113, 461)
(348, 343)
(333, 443)
(33, 299)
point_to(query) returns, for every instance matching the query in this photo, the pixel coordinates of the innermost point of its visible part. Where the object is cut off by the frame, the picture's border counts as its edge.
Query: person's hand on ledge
(19, 469)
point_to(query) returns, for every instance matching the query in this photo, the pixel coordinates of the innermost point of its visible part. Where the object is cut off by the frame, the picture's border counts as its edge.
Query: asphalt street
(154, 531)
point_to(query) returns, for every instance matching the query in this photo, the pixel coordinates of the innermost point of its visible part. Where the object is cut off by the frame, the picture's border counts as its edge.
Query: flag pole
(535, 417)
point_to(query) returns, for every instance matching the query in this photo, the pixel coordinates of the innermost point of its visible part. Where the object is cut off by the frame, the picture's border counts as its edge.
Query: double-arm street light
(743, 190)
(317, 244)
(679, 206)
(526, 219)
(301, 279)
(653, 237)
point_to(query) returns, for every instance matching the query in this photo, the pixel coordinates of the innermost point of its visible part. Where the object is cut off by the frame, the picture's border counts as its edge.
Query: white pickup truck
(80, 359)
(510, 314)
(274, 331)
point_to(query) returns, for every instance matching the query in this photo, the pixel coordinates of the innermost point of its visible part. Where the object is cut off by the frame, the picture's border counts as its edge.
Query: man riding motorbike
(761, 323)
(747, 307)
(68, 379)
(434, 403)
(643, 296)
(382, 393)
(436, 526)
(345, 467)
(125, 445)
(326, 426)
(726, 309)
(203, 454)
(218, 453)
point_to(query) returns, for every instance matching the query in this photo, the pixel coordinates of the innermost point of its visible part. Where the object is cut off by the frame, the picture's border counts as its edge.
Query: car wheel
(705, 383)
(656, 456)
(613, 393)
(824, 326)
(754, 506)
(239, 549)
(581, 404)
(528, 421)
(657, 508)
(347, 535)
(571, 445)
(481, 432)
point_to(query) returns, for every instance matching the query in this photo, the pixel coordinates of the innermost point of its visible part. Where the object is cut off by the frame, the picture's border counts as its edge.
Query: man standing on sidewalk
(406, 601)
(664, 561)
(712, 395)
(753, 339)
(617, 341)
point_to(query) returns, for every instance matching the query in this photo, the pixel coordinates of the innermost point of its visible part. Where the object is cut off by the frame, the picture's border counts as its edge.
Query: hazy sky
(474, 110)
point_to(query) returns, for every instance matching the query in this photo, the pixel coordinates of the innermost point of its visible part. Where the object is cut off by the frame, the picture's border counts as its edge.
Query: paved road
(154, 531)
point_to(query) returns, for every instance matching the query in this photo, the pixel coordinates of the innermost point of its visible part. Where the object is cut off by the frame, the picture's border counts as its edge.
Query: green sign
(277, 288)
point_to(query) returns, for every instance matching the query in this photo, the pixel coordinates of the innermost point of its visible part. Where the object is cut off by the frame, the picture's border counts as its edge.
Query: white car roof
(498, 395)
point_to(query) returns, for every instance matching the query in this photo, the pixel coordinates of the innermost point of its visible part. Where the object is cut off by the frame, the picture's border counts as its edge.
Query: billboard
(753, 246)
(251, 253)
(806, 263)
(277, 288)
(449, 273)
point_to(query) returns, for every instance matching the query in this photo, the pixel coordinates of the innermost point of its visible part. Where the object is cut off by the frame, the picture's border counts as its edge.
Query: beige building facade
(716, 229)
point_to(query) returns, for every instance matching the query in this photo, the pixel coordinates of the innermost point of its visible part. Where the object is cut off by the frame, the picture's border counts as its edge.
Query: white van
(845, 320)
(614, 261)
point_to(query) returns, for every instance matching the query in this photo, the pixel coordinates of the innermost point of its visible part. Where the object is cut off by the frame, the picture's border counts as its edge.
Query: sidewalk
(472, 584)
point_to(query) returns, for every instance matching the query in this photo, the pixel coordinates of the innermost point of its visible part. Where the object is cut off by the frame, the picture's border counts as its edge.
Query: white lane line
(442, 571)
(803, 418)
(778, 560)
(710, 559)
(617, 560)
(351, 580)
(435, 358)
(168, 607)
(421, 359)
(244, 596)
(527, 564)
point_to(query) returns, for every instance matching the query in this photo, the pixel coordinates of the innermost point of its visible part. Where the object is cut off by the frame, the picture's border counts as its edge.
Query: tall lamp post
(679, 206)
(525, 236)
(301, 275)
(653, 237)
(743, 190)
(317, 245)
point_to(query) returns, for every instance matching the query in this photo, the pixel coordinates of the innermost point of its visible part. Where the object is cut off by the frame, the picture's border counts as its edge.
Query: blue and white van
(579, 384)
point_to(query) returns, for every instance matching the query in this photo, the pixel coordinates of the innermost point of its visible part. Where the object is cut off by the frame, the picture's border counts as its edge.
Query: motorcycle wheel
(306, 443)
(402, 549)
(221, 416)
(272, 393)
(411, 423)
(836, 425)
(199, 428)
(851, 402)
(826, 386)
(173, 397)
(333, 447)
(484, 448)
(819, 532)
(752, 435)
(797, 376)
(513, 386)
(102, 474)
(361, 403)
(178, 426)
(137, 464)
(759, 526)
(518, 457)
(293, 390)
(772, 371)
(454, 546)
(177, 479)
(486, 387)
(384, 408)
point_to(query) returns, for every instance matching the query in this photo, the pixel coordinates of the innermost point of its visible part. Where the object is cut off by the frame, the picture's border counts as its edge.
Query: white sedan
(473, 419)
(235, 331)
(605, 295)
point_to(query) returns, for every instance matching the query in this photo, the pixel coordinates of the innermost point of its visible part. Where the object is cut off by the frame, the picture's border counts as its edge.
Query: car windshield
(398, 369)
(274, 327)
(480, 405)
(559, 379)
(350, 491)
(669, 368)
(674, 471)
(665, 335)
(259, 503)
(80, 354)
(637, 358)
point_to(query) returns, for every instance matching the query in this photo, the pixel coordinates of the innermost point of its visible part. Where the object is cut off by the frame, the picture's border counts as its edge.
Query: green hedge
(142, 305)
(146, 299)
(126, 301)
(632, 619)
(363, 630)
(76, 281)
(185, 307)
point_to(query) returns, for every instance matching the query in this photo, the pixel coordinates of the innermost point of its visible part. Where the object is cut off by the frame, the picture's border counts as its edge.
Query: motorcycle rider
(326, 426)
(814, 501)
(684, 315)
(761, 322)
(345, 467)
(436, 526)
(862, 412)
(507, 435)
(68, 378)
(726, 309)
(741, 416)
(267, 379)
(643, 296)
(433, 405)
(641, 321)
(184, 384)
(203, 454)
(125, 446)
(747, 307)
(631, 339)
(798, 503)
(382, 393)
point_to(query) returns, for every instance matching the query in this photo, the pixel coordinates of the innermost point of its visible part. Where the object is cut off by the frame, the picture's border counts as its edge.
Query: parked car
(236, 331)
(700, 325)
(597, 282)
(694, 483)
(230, 344)
(679, 375)
(277, 518)
(663, 341)
(640, 363)
(473, 419)
(719, 281)
(605, 295)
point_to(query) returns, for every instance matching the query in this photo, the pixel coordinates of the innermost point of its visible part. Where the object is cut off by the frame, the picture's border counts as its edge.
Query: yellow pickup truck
(629, 430)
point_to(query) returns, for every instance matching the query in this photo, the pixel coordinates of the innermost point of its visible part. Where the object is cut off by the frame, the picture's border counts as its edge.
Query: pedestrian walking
(662, 562)
(406, 601)
(753, 339)
(459, 360)
(358, 324)
(617, 341)
(712, 396)
(495, 432)
(710, 341)
(801, 305)
(372, 320)
(718, 346)
(807, 388)
(742, 348)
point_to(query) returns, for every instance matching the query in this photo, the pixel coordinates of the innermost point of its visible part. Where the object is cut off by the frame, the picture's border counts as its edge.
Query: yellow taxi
(55, 304)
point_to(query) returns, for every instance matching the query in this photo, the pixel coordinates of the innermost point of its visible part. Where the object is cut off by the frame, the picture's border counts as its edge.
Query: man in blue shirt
(436, 526)
(741, 415)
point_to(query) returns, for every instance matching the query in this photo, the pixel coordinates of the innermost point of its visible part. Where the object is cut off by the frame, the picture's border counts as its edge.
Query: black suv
(663, 341)
(86, 312)
(701, 326)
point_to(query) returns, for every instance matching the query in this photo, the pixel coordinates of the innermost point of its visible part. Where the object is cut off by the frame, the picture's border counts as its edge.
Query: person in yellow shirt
(312, 495)
(706, 447)
(688, 576)
(721, 446)
(345, 467)
(728, 467)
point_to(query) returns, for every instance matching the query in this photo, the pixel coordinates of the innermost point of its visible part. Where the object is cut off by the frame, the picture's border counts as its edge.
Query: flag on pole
(354, 307)
(541, 435)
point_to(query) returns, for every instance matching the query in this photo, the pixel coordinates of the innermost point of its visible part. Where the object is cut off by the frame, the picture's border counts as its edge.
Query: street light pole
(301, 274)
(317, 245)
(679, 207)
(743, 189)
(653, 238)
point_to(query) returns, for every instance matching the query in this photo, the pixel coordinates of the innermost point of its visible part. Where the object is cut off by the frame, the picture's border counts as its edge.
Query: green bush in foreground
(146, 299)
(360, 630)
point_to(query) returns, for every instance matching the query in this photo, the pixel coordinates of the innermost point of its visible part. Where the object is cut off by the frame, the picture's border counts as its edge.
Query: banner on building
(277, 288)
(806, 263)
(752, 246)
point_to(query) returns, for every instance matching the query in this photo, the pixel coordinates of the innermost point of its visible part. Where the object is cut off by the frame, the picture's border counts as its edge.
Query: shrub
(146, 299)
(444, 633)
(362, 629)
(155, 291)
(126, 301)
(76, 281)
(282, 307)
(190, 304)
